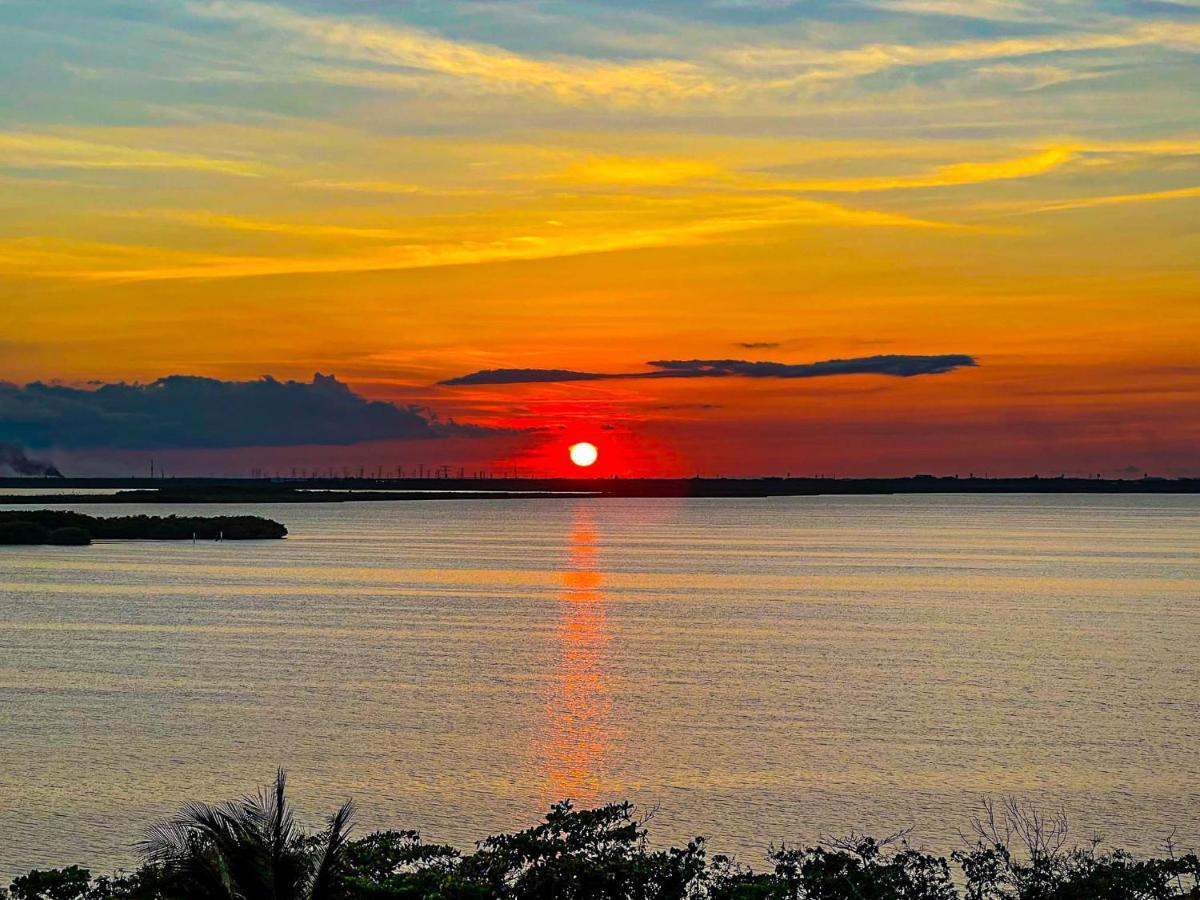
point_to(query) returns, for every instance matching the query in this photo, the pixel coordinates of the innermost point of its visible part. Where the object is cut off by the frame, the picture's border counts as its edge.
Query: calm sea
(758, 670)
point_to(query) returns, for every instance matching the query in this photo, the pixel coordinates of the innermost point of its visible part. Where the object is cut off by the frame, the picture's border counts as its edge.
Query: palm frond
(248, 848)
(330, 854)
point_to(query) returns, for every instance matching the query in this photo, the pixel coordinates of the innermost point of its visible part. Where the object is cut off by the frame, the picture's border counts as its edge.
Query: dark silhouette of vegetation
(55, 884)
(44, 526)
(253, 848)
(22, 531)
(439, 484)
(248, 848)
(69, 536)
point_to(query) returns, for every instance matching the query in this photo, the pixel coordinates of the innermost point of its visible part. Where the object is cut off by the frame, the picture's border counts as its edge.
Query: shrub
(69, 537)
(35, 525)
(253, 849)
(19, 531)
(72, 883)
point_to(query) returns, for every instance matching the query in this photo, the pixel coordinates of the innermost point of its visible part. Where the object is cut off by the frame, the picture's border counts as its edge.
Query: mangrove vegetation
(254, 849)
(45, 526)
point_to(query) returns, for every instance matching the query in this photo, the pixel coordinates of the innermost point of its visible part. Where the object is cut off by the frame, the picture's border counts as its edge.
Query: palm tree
(248, 849)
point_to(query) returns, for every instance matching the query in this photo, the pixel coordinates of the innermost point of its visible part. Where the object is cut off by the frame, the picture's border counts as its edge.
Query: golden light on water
(580, 705)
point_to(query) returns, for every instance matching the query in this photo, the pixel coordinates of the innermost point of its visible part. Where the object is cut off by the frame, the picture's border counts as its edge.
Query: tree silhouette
(246, 848)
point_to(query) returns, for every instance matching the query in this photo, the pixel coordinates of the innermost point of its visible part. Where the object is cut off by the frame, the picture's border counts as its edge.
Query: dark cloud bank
(894, 365)
(185, 411)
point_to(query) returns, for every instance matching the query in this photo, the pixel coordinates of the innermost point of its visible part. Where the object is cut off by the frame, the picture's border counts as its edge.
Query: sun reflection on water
(579, 707)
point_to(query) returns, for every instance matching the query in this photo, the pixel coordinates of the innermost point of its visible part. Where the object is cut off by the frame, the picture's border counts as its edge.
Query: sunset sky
(989, 209)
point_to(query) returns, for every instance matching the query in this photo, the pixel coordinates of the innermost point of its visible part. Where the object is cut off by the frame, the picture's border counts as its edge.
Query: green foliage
(252, 848)
(1021, 854)
(597, 854)
(248, 848)
(396, 864)
(993, 874)
(71, 883)
(859, 869)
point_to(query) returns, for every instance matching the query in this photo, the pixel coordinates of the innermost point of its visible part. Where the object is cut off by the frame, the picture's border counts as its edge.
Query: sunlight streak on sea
(759, 670)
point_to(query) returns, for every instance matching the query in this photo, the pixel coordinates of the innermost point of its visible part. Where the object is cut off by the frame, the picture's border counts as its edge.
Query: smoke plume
(14, 459)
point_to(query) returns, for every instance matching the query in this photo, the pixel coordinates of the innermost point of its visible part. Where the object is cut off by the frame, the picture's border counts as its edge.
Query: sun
(583, 454)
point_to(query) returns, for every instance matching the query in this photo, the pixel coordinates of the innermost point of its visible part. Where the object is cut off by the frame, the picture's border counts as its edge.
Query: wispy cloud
(267, 226)
(363, 186)
(32, 150)
(1026, 77)
(988, 10)
(794, 66)
(661, 172)
(1187, 193)
(397, 188)
(647, 172)
(101, 262)
(955, 174)
(370, 52)
(625, 170)
(407, 49)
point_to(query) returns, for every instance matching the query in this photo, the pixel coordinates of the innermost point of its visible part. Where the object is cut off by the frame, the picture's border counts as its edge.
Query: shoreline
(340, 490)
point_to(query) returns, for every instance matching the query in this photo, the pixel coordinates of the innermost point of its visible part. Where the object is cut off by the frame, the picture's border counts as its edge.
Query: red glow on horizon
(620, 453)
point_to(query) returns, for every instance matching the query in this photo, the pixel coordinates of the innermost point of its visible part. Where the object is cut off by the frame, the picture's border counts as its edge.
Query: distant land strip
(317, 490)
(64, 528)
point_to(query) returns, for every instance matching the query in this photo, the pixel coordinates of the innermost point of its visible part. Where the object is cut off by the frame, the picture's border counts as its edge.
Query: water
(57, 492)
(761, 670)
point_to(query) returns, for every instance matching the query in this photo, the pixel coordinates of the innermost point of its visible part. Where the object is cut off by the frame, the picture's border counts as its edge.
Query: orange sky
(404, 195)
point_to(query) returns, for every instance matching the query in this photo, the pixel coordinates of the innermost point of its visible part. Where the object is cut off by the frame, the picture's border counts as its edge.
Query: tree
(593, 854)
(1021, 854)
(69, 537)
(249, 848)
(71, 883)
(20, 531)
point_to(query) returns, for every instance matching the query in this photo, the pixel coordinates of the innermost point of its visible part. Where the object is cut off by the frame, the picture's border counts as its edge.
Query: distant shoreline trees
(61, 527)
(253, 848)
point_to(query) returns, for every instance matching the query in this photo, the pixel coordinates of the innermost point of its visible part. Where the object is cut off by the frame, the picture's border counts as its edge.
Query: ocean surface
(756, 670)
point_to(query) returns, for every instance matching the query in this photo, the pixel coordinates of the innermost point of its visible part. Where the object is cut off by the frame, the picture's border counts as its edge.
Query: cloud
(110, 262)
(899, 366)
(193, 412)
(953, 175)
(30, 150)
(530, 376)
(759, 345)
(364, 186)
(375, 54)
(1188, 193)
(407, 50)
(400, 188)
(294, 229)
(669, 172)
(989, 10)
(794, 66)
(638, 171)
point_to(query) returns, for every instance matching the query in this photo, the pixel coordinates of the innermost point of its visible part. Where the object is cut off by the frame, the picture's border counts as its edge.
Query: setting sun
(583, 453)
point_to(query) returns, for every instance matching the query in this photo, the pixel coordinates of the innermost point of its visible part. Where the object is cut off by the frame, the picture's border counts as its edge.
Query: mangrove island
(64, 528)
